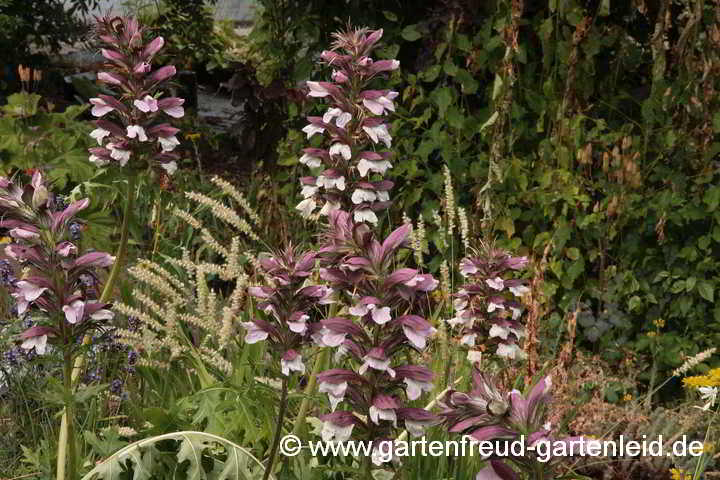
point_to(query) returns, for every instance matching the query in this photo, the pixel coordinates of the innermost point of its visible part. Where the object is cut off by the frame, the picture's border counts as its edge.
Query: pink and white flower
(415, 388)
(341, 118)
(99, 134)
(362, 196)
(147, 104)
(168, 144)
(376, 360)
(74, 312)
(136, 131)
(377, 166)
(172, 106)
(365, 215)
(306, 207)
(378, 134)
(310, 160)
(378, 103)
(39, 343)
(341, 149)
(311, 129)
(291, 361)
(331, 182)
(495, 283)
(119, 154)
(100, 107)
(317, 89)
(335, 391)
(384, 408)
(254, 333)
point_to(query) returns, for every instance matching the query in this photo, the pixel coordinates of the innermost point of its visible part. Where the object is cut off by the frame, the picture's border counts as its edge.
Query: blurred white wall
(224, 9)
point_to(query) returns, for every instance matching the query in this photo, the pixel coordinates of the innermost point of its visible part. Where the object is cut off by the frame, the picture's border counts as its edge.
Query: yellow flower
(659, 323)
(627, 397)
(5, 240)
(192, 136)
(679, 474)
(711, 379)
(708, 447)
(651, 334)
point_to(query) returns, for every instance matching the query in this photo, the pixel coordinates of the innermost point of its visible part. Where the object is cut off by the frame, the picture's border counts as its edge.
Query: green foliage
(571, 127)
(196, 453)
(190, 35)
(33, 136)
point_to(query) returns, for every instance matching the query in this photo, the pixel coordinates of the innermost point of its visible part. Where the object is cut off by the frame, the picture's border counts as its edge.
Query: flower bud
(111, 78)
(153, 47)
(112, 55)
(163, 73)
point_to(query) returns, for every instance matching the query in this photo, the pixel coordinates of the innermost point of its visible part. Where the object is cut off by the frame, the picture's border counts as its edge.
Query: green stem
(122, 248)
(309, 390)
(367, 468)
(66, 440)
(66, 433)
(278, 428)
(705, 441)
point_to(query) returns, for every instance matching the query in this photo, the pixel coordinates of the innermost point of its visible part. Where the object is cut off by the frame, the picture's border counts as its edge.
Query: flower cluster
(486, 308)
(711, 379)
(489, 415)
(707, 386)
(349, 167)
(137, 129)
(287, 305)
(53, 292)
(381, 322)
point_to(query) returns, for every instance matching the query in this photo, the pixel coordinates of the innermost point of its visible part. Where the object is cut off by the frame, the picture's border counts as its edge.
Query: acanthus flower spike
(135, 111)
(353, 127)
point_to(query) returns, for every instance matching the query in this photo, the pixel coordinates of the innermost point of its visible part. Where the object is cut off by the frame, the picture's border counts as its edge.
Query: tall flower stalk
(381, 323)
(348, 169)
(285, 319)
(380, 307)
(487, 310)
(132, 130)
(54, 292)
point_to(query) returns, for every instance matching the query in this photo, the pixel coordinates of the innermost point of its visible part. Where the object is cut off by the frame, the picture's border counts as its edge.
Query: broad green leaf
(443, 98)
(410, 33)
(390, 15)
(712, 197)
(431, 74)
(706, 291)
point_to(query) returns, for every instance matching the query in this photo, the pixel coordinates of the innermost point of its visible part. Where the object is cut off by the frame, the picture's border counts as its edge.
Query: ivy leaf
(442, 98)
(410, 33)
(707, 291)
(467, 82)
(635, 303)
(573, 272)
(390, 15)
(431, 74)
(712, 197)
